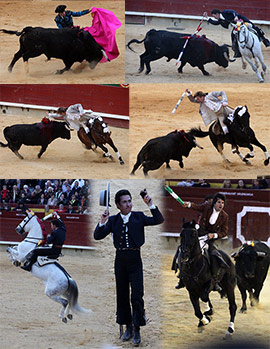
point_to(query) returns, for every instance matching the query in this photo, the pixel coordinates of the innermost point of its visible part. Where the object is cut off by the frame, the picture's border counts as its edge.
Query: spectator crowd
(64, 195)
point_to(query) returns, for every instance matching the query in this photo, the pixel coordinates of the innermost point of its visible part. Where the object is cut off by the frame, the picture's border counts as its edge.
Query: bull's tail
(132, 41)
(12, 32)
(3, 145)
(197, 132)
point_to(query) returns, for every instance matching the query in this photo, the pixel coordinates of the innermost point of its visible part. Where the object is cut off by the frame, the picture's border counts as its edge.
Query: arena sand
(150, 111)
(15, 15)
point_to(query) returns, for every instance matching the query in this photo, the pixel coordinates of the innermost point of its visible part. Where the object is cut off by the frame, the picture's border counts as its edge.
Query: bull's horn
(197, 144)
(227, 57)
(105, 56)
(235, 255)
(67, 127)
(261, 254)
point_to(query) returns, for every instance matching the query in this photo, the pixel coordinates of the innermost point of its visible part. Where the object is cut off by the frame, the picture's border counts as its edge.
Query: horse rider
(213, 225)
(213, 106)
(76, 117)
(127, 228)
(56, 238)
(64, 18)
(227, 17)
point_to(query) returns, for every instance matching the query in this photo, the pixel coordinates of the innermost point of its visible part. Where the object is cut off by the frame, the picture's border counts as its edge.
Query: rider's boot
(27, 266)
(266, 42)
(235, 47)
(180, 284)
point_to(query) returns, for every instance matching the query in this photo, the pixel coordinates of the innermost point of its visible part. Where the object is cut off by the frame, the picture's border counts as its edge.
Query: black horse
(99, 135)
(242, 133)
(196, 275)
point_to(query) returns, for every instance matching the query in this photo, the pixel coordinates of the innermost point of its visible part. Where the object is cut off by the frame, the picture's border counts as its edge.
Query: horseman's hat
(104, 197)
(60, 8)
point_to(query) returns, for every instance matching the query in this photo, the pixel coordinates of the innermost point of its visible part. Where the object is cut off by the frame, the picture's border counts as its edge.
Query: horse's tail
(197, 132)
(134, 40)
(73, 298)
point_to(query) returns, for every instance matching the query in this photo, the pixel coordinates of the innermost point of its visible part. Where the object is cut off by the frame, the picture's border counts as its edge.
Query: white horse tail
(73, 298)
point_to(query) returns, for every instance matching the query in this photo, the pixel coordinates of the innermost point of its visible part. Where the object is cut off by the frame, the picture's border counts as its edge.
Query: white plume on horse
(250, 47)
(59, 285)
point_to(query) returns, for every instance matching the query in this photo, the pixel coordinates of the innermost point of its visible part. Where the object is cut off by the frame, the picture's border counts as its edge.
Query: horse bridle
(195, 257)
(246, 40)
(22, 230)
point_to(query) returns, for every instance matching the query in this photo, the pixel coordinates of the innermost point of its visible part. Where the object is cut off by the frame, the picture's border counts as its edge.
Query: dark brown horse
(98, 136)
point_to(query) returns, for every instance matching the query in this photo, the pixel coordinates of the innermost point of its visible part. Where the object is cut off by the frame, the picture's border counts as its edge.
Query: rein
(195, 277)
(246, 41)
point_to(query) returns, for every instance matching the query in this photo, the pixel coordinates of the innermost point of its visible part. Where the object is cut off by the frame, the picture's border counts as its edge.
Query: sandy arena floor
(63, 158)
(150, 111)
(163, 71)
(15, 16)
(30, 319)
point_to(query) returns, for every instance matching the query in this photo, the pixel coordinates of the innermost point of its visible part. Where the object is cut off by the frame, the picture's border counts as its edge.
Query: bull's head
(223, 56)
(246, 259)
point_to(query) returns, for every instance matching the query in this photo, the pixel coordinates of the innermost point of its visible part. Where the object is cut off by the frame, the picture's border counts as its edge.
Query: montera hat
(60, 8)
(104, 197)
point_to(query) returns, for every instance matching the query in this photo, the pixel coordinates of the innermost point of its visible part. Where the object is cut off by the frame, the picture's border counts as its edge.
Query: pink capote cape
(103, 30)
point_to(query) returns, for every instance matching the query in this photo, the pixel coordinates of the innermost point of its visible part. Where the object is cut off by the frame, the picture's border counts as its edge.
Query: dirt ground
(38, 13)
(30, 319)
(163, 71)
(179, 324)
(150, 111)
(63, 158)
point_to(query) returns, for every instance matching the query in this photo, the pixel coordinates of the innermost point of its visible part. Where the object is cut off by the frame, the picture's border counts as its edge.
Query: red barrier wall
(254, 225)
(77, 225)
(106, 99)
(252, 9)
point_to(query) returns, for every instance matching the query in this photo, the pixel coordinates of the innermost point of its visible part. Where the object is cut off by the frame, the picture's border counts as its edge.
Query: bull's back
(163, 42)
(25, 134)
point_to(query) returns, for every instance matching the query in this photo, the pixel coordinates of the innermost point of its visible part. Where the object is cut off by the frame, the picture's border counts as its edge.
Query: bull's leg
(257, 292)
(168, 165)
(244, 299)
(147, 59)
(68, 65)
(151, 166)
(42, 150)
(142, 56)
(181, 162)
(136, 166)
(180, 69)
(16, 57)
(15, 148)
(201, 67)
(116, 152)
(263, 148)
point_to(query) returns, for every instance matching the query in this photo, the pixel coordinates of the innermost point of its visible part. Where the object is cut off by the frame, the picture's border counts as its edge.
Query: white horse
(59, 286)
(250, 47)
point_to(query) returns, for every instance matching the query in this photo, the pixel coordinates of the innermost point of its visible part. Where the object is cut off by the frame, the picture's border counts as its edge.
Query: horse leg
(63, 302)
(263, 148)
(106, 152)
(116, 152)
(244, 64)
(253, 66)
(203, 319)
(220, 150)
(244, 158)
(232, 308)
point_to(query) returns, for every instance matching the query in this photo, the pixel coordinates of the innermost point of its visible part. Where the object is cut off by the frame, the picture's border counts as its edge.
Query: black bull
(69, 44)
(34, 135)
(199, 50)
(158, 150)
(252, 264)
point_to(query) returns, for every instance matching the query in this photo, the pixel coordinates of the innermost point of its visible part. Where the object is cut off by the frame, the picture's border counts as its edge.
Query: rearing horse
(250, 47)
(196, 275)
(59, 285)
(101, 135)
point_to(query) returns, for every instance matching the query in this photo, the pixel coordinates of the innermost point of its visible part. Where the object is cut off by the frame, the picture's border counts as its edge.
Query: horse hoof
(261, 80)
(208, 312)
(122, 162)
(17, 264)
(266, 162)
(243, 311)
(64, 320)
(70, 316)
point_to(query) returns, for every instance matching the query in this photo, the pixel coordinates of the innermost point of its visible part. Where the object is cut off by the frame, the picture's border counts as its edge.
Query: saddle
(43, 260)
(217, 130)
